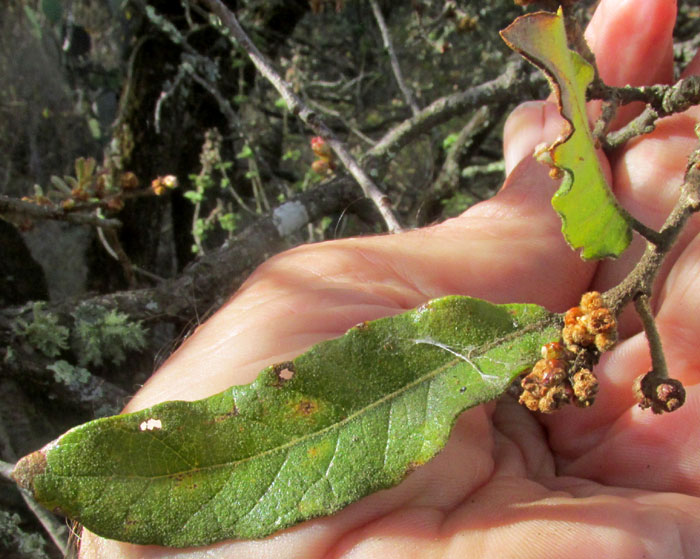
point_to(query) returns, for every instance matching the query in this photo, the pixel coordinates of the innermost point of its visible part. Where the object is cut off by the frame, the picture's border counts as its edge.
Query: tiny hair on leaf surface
(591, 217)
(347, 418)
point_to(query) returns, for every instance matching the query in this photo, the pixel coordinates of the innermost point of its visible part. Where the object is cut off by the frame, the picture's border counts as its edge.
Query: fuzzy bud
(590, 325)
(321, 166)
(576, 337)
(599, 321)
(321, 148)
(546, 388)
(605, 342)
(591, 301)
(659, 394)
(572, 316)
(128, 181)
(530, 400)
(585, 387)
(556, 398)
(160, 184)
(554, 350)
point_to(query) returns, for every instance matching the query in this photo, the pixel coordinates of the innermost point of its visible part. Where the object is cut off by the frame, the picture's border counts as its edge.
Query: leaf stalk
(658, 360)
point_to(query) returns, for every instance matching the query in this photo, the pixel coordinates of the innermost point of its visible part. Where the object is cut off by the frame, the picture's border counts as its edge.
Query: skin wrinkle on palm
(596, 450)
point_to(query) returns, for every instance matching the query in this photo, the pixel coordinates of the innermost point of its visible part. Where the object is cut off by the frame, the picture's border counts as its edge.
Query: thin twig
(644, 123)
(484, 169)
(12, 206)
(388, 45)
(54, 528)
(165, 94)
(110, 241)
(339, 116)
(5, 471)
(641, 279)
(298, 108)
(662, 100)
(448, 178)
(494, 92)
(602, 125)
(666, 99)
(658, 361)
(651, 235)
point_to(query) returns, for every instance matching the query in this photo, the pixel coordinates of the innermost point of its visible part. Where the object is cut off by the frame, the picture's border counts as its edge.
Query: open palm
(611, 480)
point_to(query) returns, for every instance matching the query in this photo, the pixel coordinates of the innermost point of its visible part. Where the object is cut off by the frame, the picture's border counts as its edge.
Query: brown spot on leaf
(284, 372)
(306, 407)
(28, 468)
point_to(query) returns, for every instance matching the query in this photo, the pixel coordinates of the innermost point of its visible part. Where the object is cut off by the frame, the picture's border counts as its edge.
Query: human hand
(612, 479)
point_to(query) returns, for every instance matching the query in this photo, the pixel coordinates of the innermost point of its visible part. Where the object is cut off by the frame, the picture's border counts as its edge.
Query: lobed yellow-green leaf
(591, 218)
(349, 417)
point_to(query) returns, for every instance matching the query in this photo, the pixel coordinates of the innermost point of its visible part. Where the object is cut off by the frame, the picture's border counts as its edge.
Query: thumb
(506, 249)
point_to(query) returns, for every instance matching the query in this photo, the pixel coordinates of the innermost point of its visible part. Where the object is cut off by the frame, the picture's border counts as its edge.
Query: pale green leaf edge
(592, 219)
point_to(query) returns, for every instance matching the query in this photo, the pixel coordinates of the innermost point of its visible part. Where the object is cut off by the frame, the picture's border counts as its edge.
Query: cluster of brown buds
(563, 375)
(325, 164)
(590, 325)
(555, 381)
(91, 184)
(161, 184)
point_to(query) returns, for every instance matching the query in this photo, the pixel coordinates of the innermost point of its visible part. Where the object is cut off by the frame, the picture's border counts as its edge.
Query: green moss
(43, 332)
(13, 538)
(102, 335)
(68, 374)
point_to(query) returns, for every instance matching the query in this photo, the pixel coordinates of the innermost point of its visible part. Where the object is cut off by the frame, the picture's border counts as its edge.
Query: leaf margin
(612, 232)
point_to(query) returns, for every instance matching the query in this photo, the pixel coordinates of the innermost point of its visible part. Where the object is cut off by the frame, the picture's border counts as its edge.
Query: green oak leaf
(591, 217)
(347, 418)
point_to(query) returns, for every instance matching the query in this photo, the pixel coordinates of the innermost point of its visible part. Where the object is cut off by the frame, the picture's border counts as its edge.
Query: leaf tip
(28, 468)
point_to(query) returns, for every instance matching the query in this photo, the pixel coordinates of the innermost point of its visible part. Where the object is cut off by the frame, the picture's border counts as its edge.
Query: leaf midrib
(297, 441)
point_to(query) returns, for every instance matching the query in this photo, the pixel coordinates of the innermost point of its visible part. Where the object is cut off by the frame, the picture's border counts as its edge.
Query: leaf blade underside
(591, 218)
(357, 415)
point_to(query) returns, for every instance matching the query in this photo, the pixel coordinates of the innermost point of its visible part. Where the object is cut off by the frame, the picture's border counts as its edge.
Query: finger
(646, 451)
(510, 517)
(647, 173)
(614, 436)
(530, 124)
(519, 518)
(617, 442)
(647, 177)
(678, 318)
(633, 44)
